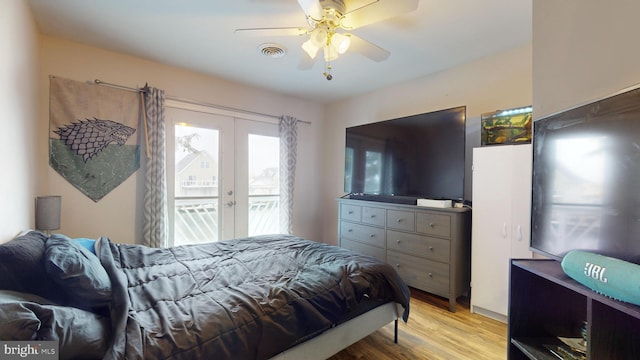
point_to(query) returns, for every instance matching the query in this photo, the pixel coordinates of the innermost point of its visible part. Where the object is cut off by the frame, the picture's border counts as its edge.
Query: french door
(222, 175)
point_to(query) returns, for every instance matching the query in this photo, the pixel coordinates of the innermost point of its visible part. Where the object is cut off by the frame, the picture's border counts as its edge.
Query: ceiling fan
(329, 21)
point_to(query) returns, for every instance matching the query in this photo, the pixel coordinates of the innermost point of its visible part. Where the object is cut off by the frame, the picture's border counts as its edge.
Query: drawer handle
(350, 230)
(398, 241)
(431, 248)
(350, 212)
(432, 225)
(399, 220)
(398, 265)
(372, 235)
(372, 216)
(431, 275)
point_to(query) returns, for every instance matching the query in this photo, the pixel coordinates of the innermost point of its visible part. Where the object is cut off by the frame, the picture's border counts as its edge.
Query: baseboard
(488, 313)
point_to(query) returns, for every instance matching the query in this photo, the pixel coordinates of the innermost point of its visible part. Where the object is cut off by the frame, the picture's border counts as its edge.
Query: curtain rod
(194, 102)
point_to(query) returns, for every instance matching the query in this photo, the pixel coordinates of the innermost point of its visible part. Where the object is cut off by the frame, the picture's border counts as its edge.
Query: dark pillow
(79, 333)
(22, 267)
(78, 272)
(16, 321)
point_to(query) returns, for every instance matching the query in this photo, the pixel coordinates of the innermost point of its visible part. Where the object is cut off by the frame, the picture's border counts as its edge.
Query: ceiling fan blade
(372, 51)
(376, 10)
(285, 31)
(307, 61)
(312, 8)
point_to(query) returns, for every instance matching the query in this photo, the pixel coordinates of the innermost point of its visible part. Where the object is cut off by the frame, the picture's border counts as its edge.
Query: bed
(264, 297)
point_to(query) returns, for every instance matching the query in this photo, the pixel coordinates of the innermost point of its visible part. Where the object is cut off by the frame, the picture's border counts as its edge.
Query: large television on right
(586, 179)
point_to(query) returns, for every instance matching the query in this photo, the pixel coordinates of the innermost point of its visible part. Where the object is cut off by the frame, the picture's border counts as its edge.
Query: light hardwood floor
(433, 332)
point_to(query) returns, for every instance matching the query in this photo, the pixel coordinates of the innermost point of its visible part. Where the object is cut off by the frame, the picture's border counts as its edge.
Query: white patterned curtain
(288, 154)
(156, 224)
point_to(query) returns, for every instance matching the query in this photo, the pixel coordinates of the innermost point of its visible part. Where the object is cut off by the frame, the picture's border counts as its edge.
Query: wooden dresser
(429, 247)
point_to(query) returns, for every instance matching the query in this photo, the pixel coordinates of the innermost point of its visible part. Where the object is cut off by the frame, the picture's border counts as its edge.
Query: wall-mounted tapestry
(91, 135)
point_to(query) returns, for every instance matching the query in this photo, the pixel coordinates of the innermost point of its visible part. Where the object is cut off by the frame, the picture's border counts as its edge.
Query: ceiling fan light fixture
(340, 42)
(310, 48)
(330, 53)
(318, 37)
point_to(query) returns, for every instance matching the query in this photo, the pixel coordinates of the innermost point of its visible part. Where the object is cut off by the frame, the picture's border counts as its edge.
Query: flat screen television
(586, 179)
(403, 159)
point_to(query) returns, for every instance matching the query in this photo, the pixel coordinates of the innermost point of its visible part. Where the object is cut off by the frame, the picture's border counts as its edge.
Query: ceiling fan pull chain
(327, 73)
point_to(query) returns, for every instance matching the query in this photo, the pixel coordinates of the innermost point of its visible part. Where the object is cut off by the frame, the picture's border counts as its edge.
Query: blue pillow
(89, 244)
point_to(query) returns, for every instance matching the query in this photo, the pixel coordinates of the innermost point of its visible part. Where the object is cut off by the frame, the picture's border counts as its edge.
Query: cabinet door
(500, 228)
(521, 201)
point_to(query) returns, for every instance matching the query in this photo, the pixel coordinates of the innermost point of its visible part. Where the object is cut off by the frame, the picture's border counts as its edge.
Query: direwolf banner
(91, 135)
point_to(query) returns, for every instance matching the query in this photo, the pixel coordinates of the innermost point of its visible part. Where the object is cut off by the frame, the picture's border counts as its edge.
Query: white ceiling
(199, 35)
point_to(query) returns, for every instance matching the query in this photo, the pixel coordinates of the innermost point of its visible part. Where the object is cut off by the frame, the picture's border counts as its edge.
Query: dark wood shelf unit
(533, 348)
(544, 303)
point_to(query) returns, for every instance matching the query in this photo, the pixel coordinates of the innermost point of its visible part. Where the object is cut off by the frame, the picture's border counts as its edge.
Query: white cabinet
(501, 223)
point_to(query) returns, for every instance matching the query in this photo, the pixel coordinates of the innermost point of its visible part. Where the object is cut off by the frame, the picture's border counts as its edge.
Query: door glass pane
(197, 215)
(264, 185)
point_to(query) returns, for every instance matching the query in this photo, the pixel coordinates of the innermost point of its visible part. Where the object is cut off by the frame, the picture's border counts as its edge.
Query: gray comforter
(242, 299)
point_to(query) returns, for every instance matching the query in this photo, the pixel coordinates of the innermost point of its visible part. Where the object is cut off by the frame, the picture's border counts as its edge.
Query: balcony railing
(198, 183)
(264, 214)
(197, 220)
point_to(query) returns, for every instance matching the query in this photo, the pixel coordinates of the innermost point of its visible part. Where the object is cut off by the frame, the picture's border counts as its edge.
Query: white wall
(18, 116)
(583, 50)
(501, 81)
(118, 214)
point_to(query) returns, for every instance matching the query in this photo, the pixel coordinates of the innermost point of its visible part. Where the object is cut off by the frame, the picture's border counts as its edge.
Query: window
(223, 175)
(196, 209)
(264, 185)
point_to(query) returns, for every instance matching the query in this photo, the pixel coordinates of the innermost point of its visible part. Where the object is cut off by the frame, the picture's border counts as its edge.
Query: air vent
(272, 50)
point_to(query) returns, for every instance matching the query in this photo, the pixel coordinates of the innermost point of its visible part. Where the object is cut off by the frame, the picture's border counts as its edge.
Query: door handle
(519, 231)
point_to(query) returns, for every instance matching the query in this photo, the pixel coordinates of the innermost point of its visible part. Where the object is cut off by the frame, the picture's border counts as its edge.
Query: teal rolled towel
(608, 276)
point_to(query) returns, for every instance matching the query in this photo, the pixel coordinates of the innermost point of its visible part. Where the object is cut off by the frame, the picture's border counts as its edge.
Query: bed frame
(342, 336)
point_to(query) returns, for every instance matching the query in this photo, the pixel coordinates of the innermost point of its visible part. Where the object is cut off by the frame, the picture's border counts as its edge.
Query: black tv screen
(419, 156)
(586, 179)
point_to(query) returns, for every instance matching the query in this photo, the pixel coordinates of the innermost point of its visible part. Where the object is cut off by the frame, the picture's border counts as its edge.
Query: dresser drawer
(373, 216)
(362, 233)
(350, 212)
(427, 275)
(401, 220)
(419, 245)
(434, 224)
(365, 249)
